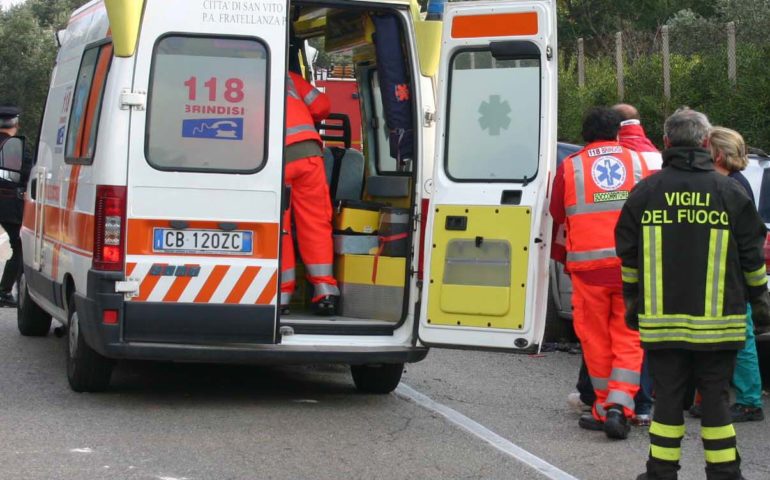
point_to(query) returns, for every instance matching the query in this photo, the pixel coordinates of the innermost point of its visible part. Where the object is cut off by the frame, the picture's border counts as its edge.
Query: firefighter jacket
(597, 180)
(305, 105)
(691, 246)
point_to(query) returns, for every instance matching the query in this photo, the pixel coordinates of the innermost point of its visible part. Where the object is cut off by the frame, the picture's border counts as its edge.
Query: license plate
(237, 242)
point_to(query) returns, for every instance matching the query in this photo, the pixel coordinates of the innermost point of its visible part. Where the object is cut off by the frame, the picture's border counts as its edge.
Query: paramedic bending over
(309, 202)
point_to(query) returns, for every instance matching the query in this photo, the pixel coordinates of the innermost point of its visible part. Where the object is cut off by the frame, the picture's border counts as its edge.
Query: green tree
(27, 55)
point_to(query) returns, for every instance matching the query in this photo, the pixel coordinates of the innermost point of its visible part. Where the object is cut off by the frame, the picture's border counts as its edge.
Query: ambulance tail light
(109, 228)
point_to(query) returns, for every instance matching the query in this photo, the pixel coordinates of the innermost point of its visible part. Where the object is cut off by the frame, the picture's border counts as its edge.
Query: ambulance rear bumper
(257, 347)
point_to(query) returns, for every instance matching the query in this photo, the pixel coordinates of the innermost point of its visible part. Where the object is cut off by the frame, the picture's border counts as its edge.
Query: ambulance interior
(370, 172)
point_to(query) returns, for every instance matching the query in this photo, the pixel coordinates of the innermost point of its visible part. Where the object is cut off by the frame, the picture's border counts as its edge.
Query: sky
(8, 3)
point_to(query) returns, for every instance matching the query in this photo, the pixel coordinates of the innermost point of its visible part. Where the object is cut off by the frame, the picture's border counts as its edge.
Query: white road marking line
(81, 450)
(480, 431)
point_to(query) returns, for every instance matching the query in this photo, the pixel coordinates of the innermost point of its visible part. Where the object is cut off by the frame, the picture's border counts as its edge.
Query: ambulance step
(311, 325)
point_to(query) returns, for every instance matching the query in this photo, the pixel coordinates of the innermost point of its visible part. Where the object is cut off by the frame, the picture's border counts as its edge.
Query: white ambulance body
(153, 215)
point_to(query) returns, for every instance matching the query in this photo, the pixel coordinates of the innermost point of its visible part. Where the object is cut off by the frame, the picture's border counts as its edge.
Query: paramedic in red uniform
(589, 191)
(633, 136)
(309, 202)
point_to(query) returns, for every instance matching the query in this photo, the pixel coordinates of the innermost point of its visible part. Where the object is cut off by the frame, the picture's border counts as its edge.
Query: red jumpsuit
(589, 190)
(309, 203)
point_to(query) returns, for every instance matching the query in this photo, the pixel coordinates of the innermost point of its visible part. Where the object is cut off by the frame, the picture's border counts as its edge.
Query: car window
(764, 196)
(87, 104)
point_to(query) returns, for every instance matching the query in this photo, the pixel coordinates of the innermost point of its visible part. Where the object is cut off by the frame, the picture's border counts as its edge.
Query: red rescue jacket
(597, 181)
(305, 105)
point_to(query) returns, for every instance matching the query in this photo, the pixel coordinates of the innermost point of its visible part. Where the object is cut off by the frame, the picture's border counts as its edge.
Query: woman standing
(729, 153)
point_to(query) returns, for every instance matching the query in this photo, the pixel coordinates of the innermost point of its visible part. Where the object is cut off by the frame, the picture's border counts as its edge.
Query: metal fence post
(732, 69)
(581, 66)
(619, 64)
(666, 63)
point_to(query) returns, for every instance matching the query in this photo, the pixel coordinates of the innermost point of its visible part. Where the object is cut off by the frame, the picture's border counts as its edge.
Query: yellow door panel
(479, 266)
(471, 300)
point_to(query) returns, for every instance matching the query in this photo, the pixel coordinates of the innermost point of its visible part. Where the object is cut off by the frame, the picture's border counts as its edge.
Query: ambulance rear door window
(493, 133)
(208, 105)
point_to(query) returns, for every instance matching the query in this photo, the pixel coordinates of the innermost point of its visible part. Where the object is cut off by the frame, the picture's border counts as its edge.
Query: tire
(557, 329)
(87, 370)
(32, 320)
(378, 379)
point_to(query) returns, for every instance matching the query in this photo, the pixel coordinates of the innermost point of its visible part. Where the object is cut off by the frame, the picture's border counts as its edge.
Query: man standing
(632, 136)
(589, 190)
(11, 206)
(691, 249)
(309, 199)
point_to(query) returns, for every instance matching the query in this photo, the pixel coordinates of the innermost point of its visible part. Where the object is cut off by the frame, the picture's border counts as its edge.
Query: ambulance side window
(207, 108)
(87, 104)
(493, 133)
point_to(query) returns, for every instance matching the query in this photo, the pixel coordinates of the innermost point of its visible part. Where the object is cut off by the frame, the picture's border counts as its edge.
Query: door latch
(136, 100)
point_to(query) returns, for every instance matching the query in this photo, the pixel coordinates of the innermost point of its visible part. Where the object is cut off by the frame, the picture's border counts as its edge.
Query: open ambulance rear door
(205, 172)
(488, 230)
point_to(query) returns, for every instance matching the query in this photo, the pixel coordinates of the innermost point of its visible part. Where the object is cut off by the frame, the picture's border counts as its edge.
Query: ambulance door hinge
(549, 52)
(136, 100)
(429, 118)
(129, 288)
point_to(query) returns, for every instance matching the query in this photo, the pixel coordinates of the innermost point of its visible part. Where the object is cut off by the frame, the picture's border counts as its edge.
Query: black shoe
(325, 307)
(7, 300)
(695, 411)
(642, 476)
(744, 413)
(588, 422)
(616, 425)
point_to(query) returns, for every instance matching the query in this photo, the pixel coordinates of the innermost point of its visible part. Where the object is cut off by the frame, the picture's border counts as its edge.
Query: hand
(632, 314)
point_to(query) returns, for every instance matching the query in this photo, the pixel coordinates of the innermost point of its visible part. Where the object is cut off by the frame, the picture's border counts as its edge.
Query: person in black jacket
(691, 247)
(11, 205)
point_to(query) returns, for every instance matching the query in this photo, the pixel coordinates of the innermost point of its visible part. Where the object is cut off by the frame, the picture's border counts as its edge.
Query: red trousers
(612, 351)
(311, 208)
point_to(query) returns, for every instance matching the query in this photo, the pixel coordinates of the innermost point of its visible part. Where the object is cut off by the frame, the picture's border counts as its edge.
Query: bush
(699, 81)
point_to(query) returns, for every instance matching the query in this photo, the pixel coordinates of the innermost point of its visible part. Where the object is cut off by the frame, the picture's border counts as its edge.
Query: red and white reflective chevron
(233, 284)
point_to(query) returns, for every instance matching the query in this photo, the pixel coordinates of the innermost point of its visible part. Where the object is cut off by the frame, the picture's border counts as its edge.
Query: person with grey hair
(11, 206)
(691, 248)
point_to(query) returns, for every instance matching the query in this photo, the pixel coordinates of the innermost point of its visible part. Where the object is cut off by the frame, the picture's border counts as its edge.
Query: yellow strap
(668, 431)
(717, 433)
(664, 453)
(721, 456)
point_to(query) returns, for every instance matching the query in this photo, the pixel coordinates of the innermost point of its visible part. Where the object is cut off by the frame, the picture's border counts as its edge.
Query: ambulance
(152, 222)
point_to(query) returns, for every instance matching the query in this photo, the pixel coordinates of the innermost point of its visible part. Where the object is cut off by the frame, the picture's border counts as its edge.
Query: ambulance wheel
(87, 370)
(32, 320)
(377, 378)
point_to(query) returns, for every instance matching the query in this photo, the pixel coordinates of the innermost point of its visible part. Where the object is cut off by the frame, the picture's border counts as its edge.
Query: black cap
(9, 111)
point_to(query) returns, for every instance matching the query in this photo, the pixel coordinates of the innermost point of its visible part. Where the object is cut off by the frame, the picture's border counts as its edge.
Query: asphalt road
(195, 422)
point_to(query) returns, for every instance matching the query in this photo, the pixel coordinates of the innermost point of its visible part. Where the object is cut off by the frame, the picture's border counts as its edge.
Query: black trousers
(672, 370)
(12, 266)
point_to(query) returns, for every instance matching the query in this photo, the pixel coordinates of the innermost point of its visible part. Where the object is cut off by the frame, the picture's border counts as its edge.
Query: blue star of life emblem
(608, 173)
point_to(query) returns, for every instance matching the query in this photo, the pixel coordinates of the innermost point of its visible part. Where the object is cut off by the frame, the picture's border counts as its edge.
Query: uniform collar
(688, 158)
